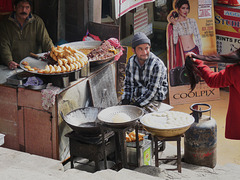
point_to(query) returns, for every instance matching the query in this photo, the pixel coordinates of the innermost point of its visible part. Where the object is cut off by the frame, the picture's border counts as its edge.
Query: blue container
(200, 140)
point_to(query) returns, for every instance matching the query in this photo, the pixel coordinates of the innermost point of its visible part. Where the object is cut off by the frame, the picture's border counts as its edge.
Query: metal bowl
(106, 115)
(83, 120)
(167, 132)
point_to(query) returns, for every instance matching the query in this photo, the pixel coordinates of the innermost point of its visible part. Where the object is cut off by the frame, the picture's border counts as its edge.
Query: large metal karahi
(167, 132)
(83, 120)
(106, 115)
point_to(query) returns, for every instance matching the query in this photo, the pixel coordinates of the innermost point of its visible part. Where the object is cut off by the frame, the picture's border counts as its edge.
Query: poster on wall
(227, 20)
(141, 21)
(191, 27)
(124, 6)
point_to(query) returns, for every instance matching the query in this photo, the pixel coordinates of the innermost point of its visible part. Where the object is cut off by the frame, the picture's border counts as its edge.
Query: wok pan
(106, 115)
(83, 120)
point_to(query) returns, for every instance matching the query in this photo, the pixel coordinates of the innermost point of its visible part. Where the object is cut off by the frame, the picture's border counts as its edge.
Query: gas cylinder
(200, 140)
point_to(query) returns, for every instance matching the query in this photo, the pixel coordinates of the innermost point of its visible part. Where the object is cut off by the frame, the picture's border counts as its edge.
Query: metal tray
(98, 62)
(41, 65)
(37, 87)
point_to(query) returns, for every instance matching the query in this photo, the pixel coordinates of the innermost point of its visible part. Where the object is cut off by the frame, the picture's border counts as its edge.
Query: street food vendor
(145, 83)
(21, 33)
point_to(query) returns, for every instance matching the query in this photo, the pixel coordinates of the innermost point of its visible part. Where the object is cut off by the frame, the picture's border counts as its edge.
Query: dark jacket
(17, 43)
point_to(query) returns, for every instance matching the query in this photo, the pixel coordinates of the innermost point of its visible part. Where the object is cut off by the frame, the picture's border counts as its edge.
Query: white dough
(168, 119)
(121, 117)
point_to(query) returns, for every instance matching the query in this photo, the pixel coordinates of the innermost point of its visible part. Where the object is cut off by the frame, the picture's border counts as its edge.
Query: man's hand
(12, 65)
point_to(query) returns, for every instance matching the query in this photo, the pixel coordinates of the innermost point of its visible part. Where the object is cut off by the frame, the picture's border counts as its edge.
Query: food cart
(30, 127)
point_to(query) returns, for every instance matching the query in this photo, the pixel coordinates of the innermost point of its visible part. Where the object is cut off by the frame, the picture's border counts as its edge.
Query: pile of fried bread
(68, 59)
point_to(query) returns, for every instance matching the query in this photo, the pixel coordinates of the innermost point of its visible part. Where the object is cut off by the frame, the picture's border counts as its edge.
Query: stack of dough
(68, 60)
(168, 119)
(120, 118)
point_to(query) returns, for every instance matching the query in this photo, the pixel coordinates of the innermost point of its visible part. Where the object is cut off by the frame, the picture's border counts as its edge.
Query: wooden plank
(38, 137)
(55, 139)
(104, 31)
(21, 132)
(8, 116)
(30, 98)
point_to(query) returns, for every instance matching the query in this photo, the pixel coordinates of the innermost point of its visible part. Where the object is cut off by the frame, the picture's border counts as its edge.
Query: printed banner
(124, 6)
(193, 30)
(227, 23)
(141, 21)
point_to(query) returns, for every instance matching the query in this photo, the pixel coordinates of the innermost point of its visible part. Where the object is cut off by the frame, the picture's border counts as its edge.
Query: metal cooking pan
(83, 120)
(40, 64)
(106, 115)
(98, 62)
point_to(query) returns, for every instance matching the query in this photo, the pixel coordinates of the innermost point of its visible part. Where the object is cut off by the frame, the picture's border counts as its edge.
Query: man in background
(145, 84)
(21, 33)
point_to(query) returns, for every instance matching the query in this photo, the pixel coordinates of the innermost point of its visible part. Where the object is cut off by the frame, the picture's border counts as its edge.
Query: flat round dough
(121, 117)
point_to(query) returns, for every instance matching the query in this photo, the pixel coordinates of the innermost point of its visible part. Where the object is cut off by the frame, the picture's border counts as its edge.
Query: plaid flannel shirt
(147, 83)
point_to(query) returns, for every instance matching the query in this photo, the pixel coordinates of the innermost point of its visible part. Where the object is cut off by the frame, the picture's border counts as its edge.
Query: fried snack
(67, 58)
(131, 137)
(63, 69)
(128, 139)
(60, 62)
(57, 69)
(72, 67)
(41, 71)
(68, 68)
(29, 68)
(25, 63)
(47, 69)
(52, 69)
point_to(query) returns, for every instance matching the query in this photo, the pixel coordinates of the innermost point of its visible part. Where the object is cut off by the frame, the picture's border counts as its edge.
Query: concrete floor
(228, 151)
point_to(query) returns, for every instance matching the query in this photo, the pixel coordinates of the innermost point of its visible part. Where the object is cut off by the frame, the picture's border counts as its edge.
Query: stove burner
(89, 139)
(91, 147)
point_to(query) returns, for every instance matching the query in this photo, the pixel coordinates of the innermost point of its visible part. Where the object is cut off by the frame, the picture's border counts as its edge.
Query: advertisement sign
(227, 22)
(191, 28)
(124, 6)
(141, 21)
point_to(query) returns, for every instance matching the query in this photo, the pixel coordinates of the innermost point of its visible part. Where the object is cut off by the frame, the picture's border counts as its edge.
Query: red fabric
(227, 77)
(175, 52)
(91, 37)
(6, 6)
(198, 62)
(115, 43)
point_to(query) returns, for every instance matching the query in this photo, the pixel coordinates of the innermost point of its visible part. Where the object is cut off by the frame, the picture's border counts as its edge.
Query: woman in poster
(183, 34)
